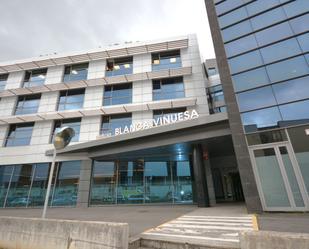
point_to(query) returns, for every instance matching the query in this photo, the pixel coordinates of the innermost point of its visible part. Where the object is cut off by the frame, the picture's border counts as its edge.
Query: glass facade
(71, 99)
(140, 182)
(3, 80)
(119, 66)
(73, 123)
(117, 94)
(24, 185)
(111, 122)
(27, 104)
(35, 78)
(19, 134)
(266, 42)
(166, 60)
(170, 88)
(75, 72)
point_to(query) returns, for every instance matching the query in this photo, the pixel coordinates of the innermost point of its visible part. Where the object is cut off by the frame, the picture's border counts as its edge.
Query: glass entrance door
(278, 177)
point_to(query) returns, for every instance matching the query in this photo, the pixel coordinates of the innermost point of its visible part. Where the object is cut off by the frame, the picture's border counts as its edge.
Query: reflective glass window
(304, 42)
(288, 69)
(20, 186)
(73, 123)
(27, 104)
(39, 185)
(5, 178)
(250, 79)
(240, 46)
(3, 80)
(66, 184)
(268, 18)
(71, 99)
(295, 111)
(117, 94)
(296, 8)
(212, 71)
(232, 17)
(35, 77)
(103, 184)
(266, 36)
(280, 50)
(119, 66)
(75, 72)
(245, 61)
(166, 60)
(300, 24)
(255, 99)
(260, 6)
(228, 5)
(19, 134)
(110, 123)
(236, 31)
(169, 88)
(261, 118)
(292, 90)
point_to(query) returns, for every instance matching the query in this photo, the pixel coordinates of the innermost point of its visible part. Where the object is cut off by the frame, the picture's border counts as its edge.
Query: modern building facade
(150, 126)
(262, 54)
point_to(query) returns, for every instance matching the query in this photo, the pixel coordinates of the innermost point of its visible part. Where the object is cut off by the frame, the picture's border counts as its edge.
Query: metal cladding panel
(137, 50)
(116, 79)
(183, 102)
(57, 86)
(76, 84)
(39, 89)
(62, 60)
(113, 109)
(12, 120)
(3, 70)
(96, 82)
(178, 44)
(80, 58)
(51, 115)
(91, 112)
(71, 114)
(136, 107)
(158, 74)
(160, 104)
(181, 71)
(21, 91)
(28, 65)
(157, 47)
(31, 118)
(11, 68)
(45, 63)
(98, 55)
(117, 52)
(6, 93)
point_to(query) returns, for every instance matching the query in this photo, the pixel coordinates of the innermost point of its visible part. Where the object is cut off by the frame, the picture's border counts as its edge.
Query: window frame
(67, 94)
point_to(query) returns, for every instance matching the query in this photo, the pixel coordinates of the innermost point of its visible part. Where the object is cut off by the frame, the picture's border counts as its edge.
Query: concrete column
(210, 183)
(202, 196)
(84, 184)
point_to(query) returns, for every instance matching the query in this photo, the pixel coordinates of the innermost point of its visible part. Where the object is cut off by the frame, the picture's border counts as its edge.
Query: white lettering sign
(166, 119)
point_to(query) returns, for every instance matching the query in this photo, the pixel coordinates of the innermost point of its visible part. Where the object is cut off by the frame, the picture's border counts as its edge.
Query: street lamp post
(61, 140)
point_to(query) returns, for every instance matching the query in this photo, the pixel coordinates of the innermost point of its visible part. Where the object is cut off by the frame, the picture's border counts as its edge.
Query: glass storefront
(24, 185)
(140, 182)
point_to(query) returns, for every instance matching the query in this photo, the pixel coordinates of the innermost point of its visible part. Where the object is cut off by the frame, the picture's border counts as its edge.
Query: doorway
(278, 178)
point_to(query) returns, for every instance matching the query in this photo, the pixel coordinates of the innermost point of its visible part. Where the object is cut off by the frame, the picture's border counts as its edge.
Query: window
(288, 69)
(240, 46)
(296, 8)
(300, 24)
(250, 79)
(71, 99)
(170, 88)
(35, 77)
(73, 123)
(255, 99)
(119, 66)
(219, 109)
(110, 123)
(260, 6)
(303, 42)
(227, 6)
(166, 112)
(216, 93)
(212, 71)
(19, 134)
(3, 80)
(75, 72)
(166, 60)
(280, 50)
(27, 104)
(232, 17)
(117, 94)
(295, 111)
(245, 62)
(236, 31)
